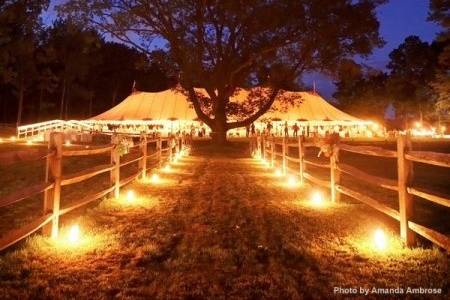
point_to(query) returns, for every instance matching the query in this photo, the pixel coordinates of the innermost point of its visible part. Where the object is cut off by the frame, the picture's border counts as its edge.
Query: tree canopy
(223, 45)
(414, 83)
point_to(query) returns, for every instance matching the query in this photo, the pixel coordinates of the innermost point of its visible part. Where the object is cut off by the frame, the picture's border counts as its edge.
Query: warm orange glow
(379, 239)
(131, 196)
(292, 181)
(443, 128)
(375, 126)
(278, 172)
(167, 168)
(68, 143)
(155, 178)
(74, 234)
(29, 142)
(1, 140)
(418, 124)
(12, 138)
(317, 199)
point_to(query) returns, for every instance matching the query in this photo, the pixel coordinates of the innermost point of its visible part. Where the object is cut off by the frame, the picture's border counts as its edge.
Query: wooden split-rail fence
(55, 180)
(269, 149)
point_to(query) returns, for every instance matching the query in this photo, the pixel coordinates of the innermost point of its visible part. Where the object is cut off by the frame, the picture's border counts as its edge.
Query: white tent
(141, 106)
(171, 111)
(309, 107)
(311, 113)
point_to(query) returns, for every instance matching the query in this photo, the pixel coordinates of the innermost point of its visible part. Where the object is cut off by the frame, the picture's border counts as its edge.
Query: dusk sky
(398, 19)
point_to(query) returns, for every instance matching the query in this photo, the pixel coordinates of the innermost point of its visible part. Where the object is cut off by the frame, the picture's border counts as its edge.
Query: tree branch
(258, 114)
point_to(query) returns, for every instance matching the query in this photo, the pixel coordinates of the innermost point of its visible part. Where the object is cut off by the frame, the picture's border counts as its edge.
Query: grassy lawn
(219, 226)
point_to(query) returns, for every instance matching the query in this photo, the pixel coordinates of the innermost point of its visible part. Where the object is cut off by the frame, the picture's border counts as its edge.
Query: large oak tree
(222, 45)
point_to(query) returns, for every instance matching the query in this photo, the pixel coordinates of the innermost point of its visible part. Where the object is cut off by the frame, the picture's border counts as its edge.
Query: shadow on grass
(232, 149)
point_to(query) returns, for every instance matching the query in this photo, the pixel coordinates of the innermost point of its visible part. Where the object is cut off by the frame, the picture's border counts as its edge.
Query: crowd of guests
(284, 129)
(267, 129)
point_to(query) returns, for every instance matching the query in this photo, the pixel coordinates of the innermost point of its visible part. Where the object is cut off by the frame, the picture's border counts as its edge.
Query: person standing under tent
(253, 131)
(295, 129)
(247, 130)
(269, 128)
(286, 129)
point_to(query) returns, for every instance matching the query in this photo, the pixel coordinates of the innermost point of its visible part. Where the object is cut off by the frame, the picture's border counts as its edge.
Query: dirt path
(218, 227)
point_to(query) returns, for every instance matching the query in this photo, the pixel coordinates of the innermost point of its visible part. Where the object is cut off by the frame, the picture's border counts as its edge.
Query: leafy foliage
(440, 13)
(223, 45)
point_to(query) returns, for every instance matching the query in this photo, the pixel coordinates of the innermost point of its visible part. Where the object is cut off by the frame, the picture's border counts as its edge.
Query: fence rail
(55, 180)
(404, 156)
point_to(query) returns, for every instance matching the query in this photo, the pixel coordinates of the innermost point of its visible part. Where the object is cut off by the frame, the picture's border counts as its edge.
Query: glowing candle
(74, 233)
(379, 239)
(317, 199)
(130, 196)
(278, 172)
(292, 181)
(155, 178)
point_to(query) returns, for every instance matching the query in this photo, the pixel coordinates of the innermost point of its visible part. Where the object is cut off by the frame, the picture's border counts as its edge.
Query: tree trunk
(5, 108)
(20, 108)
(90, 105)
(219, 134)
(67, 100)
(39, 108)
(219, 129)
(114, 97)
(63, 96)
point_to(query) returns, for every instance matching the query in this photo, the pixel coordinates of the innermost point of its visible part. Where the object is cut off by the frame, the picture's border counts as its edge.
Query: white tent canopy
(166, 105)
(312, 108)
(172, 105)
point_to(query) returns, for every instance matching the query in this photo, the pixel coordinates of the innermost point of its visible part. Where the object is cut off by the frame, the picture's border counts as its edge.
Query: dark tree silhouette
(19, 22)
(412, 67)
(362, 91)
(223, 45)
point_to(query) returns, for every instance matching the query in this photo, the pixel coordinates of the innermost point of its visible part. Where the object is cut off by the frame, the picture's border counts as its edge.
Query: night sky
(398, 19)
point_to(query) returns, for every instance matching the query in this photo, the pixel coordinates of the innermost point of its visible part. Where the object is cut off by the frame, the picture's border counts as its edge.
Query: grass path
(220, 226)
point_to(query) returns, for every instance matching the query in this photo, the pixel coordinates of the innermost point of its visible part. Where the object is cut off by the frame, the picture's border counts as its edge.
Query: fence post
(263, 147)
(300, 157)
(159, 149)
(335, 175)
(272, 154)
(406, 207)
(53, 198)
(284, 154)
(47, 193)
(170, 142)
(144, 156)
(115, 160)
